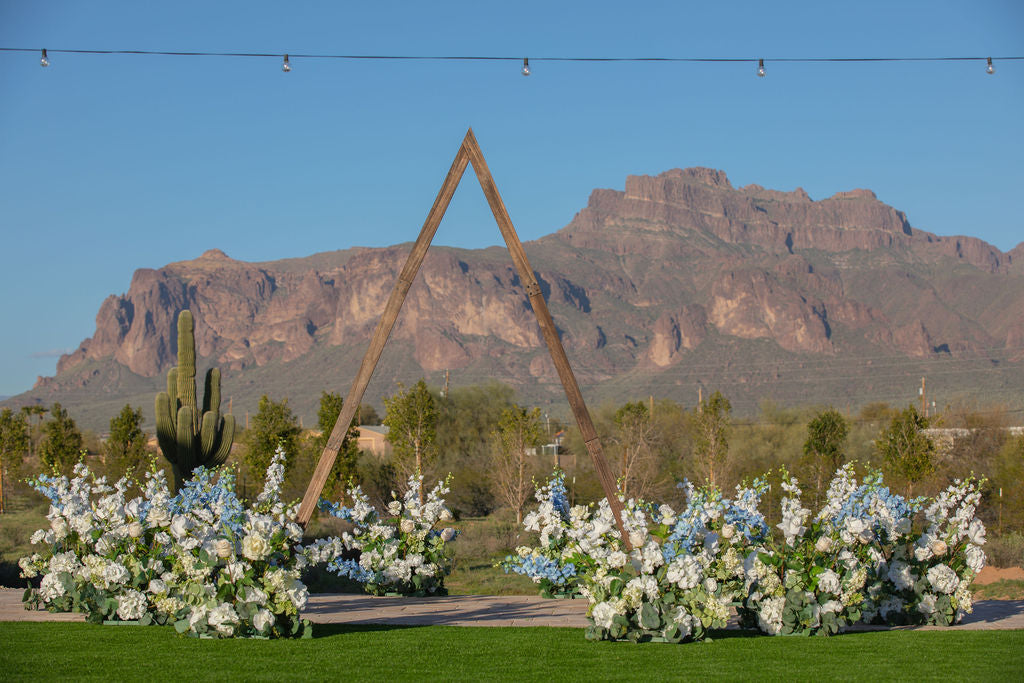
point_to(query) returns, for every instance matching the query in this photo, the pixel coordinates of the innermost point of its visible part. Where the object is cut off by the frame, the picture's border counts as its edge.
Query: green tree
(711, 436)
(411, 419)
(14, 444)
(37, 412)
(273, 425)
(823, 449)
(61, 445)
(366, 415)
(125, 448)
(345, 464)
(905, 449)
(519, 431)
(635, 436)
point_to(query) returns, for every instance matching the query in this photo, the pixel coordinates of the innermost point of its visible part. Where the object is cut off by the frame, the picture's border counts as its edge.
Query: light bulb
(286, 65)
(760, 68)
(526, 66)
(44, 61)
(988, 69)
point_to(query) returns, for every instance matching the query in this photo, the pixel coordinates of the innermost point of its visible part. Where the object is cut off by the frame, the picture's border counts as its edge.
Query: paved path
(487, 610)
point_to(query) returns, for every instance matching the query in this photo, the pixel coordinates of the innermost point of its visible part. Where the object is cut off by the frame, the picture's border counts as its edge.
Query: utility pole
(700, 399)
(444, 392)
(924, 401)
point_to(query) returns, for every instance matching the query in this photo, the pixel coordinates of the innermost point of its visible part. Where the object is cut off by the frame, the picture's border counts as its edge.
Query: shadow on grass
(330, 630)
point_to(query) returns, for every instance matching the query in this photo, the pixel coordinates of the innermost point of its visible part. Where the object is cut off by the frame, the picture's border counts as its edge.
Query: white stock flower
(603, 613)
(943, 579)
(617, 559)
(828, 582)
(131, 605)
(975, 558)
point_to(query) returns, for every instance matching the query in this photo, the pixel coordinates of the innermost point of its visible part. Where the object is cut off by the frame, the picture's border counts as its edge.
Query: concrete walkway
(488, 610)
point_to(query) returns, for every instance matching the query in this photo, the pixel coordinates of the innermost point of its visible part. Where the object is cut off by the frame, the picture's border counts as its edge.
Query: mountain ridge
(673, 271)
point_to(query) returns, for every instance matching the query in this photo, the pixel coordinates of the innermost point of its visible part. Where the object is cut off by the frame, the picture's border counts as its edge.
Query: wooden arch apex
(469, 153)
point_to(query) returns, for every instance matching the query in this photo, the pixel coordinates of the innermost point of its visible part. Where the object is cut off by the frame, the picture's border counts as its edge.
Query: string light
(989, 68)
(286, 65)
(526, 66)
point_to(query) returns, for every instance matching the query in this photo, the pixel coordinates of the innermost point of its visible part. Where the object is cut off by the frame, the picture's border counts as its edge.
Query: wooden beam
(380, 336)
(548, 329)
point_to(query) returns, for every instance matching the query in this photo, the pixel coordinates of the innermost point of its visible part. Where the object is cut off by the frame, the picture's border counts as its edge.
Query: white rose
(255, 547)
(975, 558)
(134, 529)
(263, 620)
(157, 516)
(823, 544)
(728, 531)
(222, 547)
(395, 507)
(938, 547)
(446, 515)
(976, 532)
(179, 526)
(448, 534)
(407, 526)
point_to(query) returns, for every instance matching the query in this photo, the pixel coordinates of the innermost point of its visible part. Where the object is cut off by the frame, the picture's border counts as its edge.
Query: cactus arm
(209, 434)
(166, 432)
(172, 388)
(187, 456)
(187, 366)
(227, 434)
(211, 391)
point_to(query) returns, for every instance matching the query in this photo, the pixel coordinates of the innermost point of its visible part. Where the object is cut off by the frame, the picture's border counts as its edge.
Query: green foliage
(367, 415)
(634, 438)
(411, 419)
(190, 437)
(823, 450)
(711, 436)
(905, 450)
(14, 439)
(61, 445)
(518, 432)
(345, 464)
(273, 424)
(125, 448)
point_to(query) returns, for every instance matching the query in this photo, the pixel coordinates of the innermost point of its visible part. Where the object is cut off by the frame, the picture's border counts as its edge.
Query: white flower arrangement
(860, 560)
(549, 564)
(199, 560)
(402, 554)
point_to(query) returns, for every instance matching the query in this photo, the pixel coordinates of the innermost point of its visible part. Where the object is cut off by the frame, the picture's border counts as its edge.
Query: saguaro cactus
(189, 438)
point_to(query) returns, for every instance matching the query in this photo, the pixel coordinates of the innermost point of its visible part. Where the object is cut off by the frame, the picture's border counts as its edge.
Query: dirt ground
(992, 574)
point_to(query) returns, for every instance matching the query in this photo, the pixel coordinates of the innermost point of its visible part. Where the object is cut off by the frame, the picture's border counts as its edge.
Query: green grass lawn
(36, 651)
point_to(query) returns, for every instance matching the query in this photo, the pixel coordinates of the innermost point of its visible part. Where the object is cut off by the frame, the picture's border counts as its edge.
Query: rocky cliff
(678, 270)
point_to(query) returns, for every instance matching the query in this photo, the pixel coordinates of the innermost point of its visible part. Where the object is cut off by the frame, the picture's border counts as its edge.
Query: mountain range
(677, 284)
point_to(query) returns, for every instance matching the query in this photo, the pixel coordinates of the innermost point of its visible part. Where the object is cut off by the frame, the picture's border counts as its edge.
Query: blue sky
(113, 163)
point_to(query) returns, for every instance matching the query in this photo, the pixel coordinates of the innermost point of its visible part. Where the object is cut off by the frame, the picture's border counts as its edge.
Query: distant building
(374, 438)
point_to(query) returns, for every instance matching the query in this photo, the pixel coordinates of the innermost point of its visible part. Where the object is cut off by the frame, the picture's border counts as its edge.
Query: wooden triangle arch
(469, 153)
